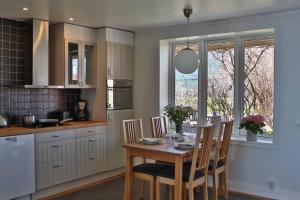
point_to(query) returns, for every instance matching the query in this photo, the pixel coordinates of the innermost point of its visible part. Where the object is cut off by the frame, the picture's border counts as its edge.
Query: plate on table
(150, 140)
(185, 145)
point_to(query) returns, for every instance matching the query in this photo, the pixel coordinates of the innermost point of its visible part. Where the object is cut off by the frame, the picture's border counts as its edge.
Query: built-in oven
(119, 94)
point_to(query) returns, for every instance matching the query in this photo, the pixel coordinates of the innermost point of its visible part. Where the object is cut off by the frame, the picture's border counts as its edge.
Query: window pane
(186, 87)
(220, 86)
(259, 79)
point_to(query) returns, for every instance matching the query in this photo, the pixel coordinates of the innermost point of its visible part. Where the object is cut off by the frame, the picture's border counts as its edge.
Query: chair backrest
(223, 142)
(215, 121)
(159, 126)
(201, 157)
(133, 129)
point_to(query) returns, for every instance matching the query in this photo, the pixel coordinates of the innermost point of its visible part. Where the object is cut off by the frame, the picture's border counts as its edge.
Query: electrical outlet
(272, 185)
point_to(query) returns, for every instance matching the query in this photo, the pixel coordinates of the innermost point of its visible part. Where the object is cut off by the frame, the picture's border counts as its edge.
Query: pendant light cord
(187, 36)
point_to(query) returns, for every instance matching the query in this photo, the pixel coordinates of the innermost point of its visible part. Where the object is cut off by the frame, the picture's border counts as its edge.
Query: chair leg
(205, 191)
(152, 189)
(171, 192)
(157, 190)
(184, 193)
(224, 183)
(191, 194)
(142, 190)
(215, 187)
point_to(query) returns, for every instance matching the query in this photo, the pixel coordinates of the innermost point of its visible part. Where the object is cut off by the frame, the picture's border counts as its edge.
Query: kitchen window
(235, 78)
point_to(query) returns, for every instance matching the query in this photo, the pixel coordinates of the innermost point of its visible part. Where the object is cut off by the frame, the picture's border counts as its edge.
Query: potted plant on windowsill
(178, 114)
(253, 124)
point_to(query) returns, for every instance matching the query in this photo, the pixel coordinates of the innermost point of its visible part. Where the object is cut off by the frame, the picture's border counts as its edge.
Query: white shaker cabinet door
(57, 150)
(113, 60)
(127, 59)
(115, 136)
(86, 145)
(92, 154)
(56, 172)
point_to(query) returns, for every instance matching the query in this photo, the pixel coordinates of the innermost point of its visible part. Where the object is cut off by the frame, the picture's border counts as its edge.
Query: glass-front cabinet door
(80, 64)
(89, 65)
(73, 64)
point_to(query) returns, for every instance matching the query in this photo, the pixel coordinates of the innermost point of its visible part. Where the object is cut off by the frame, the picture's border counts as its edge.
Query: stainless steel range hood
(40, 55)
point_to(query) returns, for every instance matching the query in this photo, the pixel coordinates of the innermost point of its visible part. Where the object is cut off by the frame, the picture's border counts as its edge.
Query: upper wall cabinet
(119, 52)
(73, 60)
(119, 61)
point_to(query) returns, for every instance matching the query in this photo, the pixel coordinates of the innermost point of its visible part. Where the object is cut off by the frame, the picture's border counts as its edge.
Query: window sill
(261, 142)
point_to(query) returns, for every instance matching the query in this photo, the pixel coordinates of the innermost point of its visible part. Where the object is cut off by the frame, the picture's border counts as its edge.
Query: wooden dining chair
(133, 130)
(159, 126)
(217, 165)
(195, 173)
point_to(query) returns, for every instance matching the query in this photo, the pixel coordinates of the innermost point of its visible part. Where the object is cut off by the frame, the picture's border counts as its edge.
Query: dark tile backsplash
(15, 69)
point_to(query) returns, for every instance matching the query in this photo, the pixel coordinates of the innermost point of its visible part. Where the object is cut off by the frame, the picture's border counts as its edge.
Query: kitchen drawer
(93, 130)
(87, 164)
(57, 150)
(52, 173)
(80, 132)
(91, 164)
(54, 136)
(90, 144)
(101, 129)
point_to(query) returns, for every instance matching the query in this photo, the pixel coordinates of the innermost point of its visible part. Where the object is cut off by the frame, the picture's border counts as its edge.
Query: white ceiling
(138, 14)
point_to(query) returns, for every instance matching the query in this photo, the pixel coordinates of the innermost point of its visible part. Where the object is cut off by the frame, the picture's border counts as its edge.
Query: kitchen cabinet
(91, 150)
(56, 172)
(55, 157)
(73, 60)
(70, 154)
(119, 61)
(80, 64)
(115, 138)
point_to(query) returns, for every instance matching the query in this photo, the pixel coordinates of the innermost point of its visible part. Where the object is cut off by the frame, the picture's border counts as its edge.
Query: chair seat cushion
(219, 164)
(170, 173)
(150, 168)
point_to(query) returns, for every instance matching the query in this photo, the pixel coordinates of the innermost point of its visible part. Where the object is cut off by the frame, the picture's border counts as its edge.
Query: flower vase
(180, 137)
(251, 136)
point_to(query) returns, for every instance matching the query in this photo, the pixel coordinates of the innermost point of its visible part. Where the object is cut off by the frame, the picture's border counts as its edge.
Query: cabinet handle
(92, 140)
(57, 166)
(55, 146)
(92, 158)
(55, 136)
(90, 131)
(109, 71)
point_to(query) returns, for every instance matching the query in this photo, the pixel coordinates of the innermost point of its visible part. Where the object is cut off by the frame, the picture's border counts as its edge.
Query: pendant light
(187, 60)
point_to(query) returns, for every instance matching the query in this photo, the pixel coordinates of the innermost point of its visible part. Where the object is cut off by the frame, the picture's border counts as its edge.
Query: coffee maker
(80, 110)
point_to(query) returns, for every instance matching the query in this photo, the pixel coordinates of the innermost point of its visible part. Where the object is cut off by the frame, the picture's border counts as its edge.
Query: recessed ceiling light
(71, 19)
(25, 9)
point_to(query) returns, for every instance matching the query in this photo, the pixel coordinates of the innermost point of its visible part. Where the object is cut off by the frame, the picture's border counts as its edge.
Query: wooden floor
(113, 190)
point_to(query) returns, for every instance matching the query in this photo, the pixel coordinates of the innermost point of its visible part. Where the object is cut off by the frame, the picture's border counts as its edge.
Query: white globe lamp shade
(186, 61)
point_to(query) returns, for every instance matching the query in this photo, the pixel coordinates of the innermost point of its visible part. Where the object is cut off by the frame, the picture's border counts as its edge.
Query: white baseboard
(263, 191)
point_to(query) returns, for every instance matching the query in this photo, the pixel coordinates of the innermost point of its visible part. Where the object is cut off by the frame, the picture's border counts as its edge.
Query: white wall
(251, 167)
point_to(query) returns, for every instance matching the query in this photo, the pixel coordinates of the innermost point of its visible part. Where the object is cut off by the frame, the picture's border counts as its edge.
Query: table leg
(178, 178)
(128, 175)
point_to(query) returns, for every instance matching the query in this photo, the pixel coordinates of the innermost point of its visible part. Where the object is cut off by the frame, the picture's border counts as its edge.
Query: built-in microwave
(119, 94)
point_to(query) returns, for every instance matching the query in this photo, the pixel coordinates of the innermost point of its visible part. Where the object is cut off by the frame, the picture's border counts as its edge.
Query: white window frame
(239, 53)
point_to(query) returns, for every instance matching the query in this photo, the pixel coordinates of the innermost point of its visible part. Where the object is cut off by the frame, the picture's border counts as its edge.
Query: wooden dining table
(161, 152)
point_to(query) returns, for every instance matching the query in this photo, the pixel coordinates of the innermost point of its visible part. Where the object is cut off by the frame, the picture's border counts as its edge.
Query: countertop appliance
(80, 110)
(17, 166)
(60, 115)
(4, 121)
(119, 94)
(29, 120)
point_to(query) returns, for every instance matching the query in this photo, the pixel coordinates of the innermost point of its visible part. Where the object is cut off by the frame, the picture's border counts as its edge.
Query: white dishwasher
(17, 166)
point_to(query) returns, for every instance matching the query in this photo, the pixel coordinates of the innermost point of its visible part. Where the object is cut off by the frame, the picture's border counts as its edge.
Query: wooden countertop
(19, 130)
